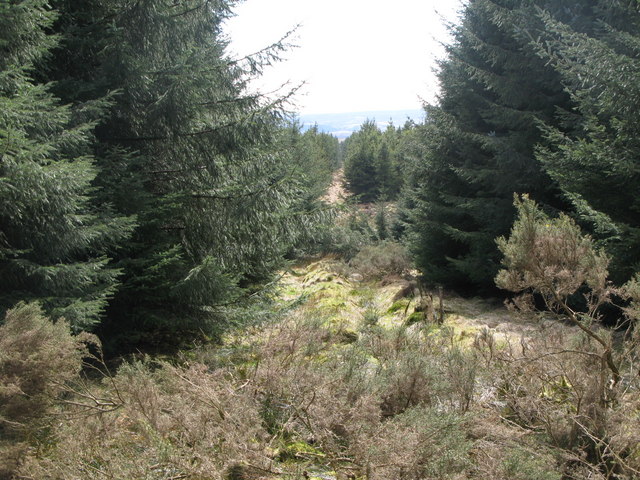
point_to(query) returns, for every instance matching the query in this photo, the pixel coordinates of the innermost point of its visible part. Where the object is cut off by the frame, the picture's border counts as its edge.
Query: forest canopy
(195, 285)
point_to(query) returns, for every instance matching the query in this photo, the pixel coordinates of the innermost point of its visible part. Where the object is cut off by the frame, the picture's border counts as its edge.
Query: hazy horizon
(343, 124)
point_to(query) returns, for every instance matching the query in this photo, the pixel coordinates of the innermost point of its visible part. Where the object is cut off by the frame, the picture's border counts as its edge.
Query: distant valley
(342, 125)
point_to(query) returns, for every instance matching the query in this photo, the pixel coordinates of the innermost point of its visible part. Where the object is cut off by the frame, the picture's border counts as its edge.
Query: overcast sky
(353, 55)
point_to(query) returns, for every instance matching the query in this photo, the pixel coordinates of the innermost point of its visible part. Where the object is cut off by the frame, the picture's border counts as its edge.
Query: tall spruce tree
(479, 142)
(186, 150)
(595, 156)
(315, 156)
(54, 239)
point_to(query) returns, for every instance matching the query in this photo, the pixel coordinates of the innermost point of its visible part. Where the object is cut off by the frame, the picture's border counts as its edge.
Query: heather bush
(549, 385)
(174, 422)
(293, 399)
(382, 259)
(362, 404)
(575, 384)
(420, 443)
(522, 464)
(38, 359)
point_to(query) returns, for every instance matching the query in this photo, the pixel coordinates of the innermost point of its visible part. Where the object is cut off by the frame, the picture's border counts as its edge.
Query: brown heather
(315, 395)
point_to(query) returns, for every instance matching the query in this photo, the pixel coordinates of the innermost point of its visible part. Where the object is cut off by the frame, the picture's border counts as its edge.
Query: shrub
(37, 359)
(551, 382)
(520, 464)
(377, 261)
(346, 236)
(371, 315)
(175, 422)
(552, 259)
(420, 443)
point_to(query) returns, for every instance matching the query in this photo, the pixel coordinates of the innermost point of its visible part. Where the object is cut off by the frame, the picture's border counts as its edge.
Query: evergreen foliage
(186, 150)
(316, 156)
(478, 143)
(537, 97)
(371, 164)
(594, 157)
(119, 111)
(359, 161)
(388, 163)
(54, 239)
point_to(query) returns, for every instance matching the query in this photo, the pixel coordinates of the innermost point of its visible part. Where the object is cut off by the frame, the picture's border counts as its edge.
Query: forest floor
(324, 285)
(468, 315)
(336, 193)
(344, 378)
(343, 375)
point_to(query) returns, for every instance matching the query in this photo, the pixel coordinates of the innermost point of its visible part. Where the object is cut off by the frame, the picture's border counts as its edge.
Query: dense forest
(182, 299)
(144, 191)
(538, 98)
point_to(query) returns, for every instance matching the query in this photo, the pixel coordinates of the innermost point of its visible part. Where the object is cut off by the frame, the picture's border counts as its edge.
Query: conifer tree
(479, 141)
(372, 168)
(387, 164)
(360, 170)
(595, 154)
(54, 240)
(315, 156)
(186, 150)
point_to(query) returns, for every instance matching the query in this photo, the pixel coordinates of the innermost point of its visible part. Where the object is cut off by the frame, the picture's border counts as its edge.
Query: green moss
(294, 451)
(398, 305)
(415, 317)
(289, 290)
(365, 293)
(332, 304)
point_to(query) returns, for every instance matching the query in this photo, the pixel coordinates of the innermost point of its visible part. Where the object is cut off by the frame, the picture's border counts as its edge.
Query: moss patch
(295, 451)
(399, 305)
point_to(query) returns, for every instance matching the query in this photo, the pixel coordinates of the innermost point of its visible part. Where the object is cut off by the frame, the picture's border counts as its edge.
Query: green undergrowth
(329, 292)
(345, 382)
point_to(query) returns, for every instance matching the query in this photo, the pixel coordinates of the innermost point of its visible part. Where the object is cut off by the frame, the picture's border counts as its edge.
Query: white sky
(353, 55)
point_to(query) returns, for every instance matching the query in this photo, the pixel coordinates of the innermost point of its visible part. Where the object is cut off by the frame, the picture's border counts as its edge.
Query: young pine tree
(360, 171)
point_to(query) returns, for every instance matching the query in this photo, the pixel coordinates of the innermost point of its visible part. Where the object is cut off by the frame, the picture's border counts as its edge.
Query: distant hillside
(342, 125)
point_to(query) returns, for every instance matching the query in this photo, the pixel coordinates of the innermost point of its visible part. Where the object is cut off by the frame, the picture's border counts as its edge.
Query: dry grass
(374, 262)
(301, 398)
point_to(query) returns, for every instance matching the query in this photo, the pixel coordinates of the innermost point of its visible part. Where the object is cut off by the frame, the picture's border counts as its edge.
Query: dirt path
(336, 192)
